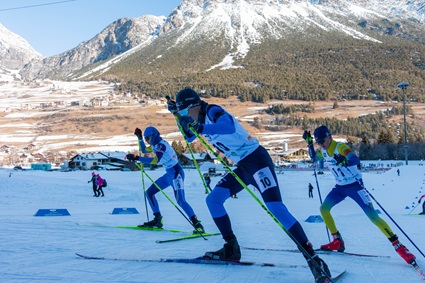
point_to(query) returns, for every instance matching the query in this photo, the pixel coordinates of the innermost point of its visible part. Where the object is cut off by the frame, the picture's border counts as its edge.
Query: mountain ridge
(117, 38)
(205, 40)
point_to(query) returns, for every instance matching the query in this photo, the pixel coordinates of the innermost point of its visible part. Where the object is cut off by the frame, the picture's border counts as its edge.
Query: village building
(101, 160)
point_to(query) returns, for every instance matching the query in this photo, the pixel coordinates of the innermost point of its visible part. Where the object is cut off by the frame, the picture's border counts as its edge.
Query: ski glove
(132, 157)
(187, 121)
(307, 137)
(340, 159)
(138, 133)
(172, 106)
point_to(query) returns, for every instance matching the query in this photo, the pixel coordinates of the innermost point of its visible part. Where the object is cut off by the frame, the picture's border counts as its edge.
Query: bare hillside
(57, 117)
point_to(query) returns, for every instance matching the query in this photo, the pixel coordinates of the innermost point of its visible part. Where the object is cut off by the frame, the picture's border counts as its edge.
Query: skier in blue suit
(174, 176)
(254, 167)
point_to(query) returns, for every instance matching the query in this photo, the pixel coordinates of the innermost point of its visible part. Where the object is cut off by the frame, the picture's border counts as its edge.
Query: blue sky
(55, 28)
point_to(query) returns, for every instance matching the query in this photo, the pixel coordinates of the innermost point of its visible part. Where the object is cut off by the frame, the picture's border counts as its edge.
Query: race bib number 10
(264, 179)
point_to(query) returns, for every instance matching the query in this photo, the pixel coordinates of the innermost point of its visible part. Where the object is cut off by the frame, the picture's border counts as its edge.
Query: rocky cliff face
(15, 52)
(117, 38)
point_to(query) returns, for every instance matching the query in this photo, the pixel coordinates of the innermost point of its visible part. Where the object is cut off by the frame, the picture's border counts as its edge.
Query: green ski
(188, 237)
(150, 229)
(133, 227)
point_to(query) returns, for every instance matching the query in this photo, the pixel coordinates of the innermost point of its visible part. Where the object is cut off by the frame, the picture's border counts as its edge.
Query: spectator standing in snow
(100, 184)
(310, 190)
(94, 181)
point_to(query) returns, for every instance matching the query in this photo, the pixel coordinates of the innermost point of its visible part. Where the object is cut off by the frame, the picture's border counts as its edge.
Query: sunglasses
(185, 112)
(321, 141)
(148, 138)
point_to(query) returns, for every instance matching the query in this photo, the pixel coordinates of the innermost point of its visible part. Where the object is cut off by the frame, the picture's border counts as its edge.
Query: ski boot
(156, 222)
(199, 229)
(336, 245)
(403, 252)
(230, 251)
(319, 269)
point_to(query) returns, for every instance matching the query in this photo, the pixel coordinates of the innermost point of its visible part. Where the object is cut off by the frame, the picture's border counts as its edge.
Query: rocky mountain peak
(117, 38)
(15, 51)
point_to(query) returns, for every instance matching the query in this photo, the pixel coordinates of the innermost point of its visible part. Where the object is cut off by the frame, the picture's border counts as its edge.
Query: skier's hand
(172, 107)
(187, 121)
(132, 157)
(307, 137)
(138, 133)
(340, 159)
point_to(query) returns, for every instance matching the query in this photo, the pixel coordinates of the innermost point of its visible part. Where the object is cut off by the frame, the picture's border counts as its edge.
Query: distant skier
(94, 181)
(398, 172)
(174, 175)
(100, 184)
(342, 163)
(207, 179)
(310, 190)
(423, 205)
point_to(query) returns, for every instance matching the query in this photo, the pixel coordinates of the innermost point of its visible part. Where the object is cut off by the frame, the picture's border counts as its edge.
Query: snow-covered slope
(42, 249)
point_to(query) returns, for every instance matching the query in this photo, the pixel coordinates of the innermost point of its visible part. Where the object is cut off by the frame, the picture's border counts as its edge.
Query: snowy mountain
(118, 37)
(225, 33)
(15, 52)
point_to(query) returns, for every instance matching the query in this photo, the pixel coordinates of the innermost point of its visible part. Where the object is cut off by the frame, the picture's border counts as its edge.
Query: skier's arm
(143, 147)
(309, 139)
(222, 122)
(345, 151)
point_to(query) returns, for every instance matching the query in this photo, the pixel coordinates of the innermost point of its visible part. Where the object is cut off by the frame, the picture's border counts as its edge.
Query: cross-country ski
(192, 236)
(319, 251)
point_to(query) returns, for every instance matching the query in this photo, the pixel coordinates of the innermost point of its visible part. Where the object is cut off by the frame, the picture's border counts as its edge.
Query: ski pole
(301, 248)
(414, 208)
(143, 183)
(311, 152)
(170, 200)
(389, 216)
(188, 146)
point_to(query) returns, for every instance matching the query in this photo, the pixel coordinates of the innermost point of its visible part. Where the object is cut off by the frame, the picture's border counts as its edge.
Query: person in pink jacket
(100, 184)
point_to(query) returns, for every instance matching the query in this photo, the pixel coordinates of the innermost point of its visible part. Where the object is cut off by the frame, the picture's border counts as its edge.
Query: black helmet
(321, 133)
(187, 98)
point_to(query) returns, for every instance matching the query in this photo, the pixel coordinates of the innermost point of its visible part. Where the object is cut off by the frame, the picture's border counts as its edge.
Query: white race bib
(178, 183)
(264, 179)
(365, 196)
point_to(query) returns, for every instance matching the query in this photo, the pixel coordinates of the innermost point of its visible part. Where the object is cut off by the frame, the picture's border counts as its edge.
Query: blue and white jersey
(165, 154)
(237, 143)
(344, 175)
